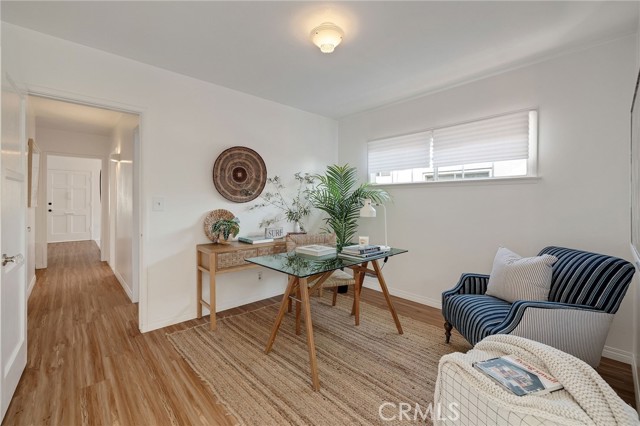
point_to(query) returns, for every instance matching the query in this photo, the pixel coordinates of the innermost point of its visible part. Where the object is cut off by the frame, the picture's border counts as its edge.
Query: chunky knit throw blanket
(586, 397)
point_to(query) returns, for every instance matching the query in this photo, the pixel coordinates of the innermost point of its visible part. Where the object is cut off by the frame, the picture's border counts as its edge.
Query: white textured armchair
(466, 397)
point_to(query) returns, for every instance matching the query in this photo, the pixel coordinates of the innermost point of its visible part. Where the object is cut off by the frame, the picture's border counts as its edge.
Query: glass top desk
(303, 270)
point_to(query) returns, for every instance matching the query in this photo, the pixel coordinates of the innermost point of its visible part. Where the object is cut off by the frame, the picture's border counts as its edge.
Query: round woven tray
(212, 218)
(239, 174)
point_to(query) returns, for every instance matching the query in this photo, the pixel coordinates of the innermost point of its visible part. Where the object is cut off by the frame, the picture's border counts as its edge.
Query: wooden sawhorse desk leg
(306, 308)
(385, 291)
(293, 281)
(377, 271)
(299, 285)
(358, 275)
(357, 289)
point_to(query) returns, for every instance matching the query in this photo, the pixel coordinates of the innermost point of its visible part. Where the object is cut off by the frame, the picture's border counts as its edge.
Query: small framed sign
(274, 232)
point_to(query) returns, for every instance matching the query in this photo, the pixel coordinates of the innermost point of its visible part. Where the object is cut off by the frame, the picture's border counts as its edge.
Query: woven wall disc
(213, 217)
(239, 174)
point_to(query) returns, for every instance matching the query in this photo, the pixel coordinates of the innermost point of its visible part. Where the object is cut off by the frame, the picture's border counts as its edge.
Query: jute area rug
(360, 368)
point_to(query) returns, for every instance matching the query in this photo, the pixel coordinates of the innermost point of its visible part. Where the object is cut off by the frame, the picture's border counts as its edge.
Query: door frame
(140, 276)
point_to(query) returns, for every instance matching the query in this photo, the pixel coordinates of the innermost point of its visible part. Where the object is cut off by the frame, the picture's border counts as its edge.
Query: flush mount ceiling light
(327, 36)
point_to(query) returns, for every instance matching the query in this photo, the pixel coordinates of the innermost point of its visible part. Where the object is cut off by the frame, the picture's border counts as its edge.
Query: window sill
(468, 182)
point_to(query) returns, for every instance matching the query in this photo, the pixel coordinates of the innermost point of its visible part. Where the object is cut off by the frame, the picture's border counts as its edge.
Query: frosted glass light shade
(327, 36)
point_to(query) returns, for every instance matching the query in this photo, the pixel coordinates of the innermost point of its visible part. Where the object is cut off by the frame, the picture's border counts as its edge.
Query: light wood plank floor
(89, 364)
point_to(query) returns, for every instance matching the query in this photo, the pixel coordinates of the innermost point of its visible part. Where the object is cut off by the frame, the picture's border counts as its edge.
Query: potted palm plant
(340, 197)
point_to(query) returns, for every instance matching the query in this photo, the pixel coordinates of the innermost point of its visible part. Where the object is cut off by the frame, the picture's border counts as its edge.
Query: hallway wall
(121, 198)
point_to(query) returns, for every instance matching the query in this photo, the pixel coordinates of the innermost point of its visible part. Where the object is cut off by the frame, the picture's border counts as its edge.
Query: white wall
(121, 196)
(581, 200)
(55, 141)
(185, 125)
(80, 164)
(62, 142)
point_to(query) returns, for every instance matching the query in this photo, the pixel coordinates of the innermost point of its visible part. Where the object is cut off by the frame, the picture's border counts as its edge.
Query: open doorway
(88, 163)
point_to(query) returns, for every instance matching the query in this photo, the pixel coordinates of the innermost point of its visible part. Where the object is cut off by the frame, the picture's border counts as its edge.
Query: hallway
(89, 364)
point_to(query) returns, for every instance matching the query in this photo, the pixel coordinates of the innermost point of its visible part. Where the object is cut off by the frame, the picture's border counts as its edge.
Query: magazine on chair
(518, 376)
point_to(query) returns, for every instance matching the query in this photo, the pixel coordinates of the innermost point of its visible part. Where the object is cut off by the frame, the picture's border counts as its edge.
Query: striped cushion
(475, 316)
(514, 277)
(591, 279)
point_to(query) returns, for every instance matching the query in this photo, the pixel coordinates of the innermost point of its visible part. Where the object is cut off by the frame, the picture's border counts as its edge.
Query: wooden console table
(221, 258)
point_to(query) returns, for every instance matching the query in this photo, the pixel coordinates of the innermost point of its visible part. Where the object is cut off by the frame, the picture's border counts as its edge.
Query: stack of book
(363, 252)
(255, 239)
(316, 250)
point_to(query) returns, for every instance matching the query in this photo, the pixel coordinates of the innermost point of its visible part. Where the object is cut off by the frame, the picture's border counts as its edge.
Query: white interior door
(69, 206)
(13, 281)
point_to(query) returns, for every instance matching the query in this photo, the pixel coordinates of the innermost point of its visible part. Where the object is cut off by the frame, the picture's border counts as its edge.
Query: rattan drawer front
(235, 258)
(263, 251)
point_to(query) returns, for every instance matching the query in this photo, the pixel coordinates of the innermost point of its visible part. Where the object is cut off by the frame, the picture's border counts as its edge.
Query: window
(496, 147)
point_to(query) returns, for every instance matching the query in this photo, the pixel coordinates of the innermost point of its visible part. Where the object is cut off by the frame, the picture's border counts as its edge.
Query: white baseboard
(372, 284)
(617, 355)
(123, 283)
(245, 301)
(31, 285)
(165, 322)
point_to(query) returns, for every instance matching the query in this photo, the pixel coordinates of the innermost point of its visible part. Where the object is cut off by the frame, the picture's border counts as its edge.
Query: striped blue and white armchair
(586, 291)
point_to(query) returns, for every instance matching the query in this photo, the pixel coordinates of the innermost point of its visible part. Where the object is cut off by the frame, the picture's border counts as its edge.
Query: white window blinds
(400, 153)
(495, 139)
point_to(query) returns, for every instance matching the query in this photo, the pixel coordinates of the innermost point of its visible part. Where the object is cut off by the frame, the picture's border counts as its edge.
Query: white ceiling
(59, 115)
(391, 50)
